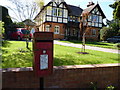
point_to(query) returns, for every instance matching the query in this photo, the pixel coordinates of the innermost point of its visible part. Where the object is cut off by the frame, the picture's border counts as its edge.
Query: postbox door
(43, 58)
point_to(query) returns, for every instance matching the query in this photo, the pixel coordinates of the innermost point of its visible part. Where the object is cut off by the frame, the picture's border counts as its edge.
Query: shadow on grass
(17, 59)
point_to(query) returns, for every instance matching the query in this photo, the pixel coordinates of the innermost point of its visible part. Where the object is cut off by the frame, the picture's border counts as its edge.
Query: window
(100, 19)
(47, 28)
(57, 12)
(89, 18)
(54, 11)
(95, 18)
(93, 32)
(57, 30)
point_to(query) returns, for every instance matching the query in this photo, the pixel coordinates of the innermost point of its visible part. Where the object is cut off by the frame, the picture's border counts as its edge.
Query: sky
(104, 4)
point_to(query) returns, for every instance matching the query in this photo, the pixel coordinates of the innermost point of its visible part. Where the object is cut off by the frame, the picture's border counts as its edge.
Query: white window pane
(89, 23)
(100, 25)
(48, 18)
(49, 10)
(65, 21)
(92, 24)
(47, 28)
(100, 19)
(59, 19)
(55, 19)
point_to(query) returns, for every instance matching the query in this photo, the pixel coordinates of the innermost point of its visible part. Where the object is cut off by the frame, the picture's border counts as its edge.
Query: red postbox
(43, 53)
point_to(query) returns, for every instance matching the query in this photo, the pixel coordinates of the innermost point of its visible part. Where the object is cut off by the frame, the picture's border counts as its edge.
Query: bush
(105, 33)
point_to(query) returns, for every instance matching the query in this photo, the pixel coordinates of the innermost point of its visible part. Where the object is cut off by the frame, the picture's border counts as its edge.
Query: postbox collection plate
(43, 62)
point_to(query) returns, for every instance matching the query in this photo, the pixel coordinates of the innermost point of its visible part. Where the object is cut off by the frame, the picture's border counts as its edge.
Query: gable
(57, 2)
(97, 11)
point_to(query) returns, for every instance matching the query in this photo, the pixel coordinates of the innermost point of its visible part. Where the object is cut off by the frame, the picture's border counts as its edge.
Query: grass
(96, 44)
(16, 55)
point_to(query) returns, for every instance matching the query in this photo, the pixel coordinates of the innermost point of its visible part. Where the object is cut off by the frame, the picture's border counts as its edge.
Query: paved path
(87, 47)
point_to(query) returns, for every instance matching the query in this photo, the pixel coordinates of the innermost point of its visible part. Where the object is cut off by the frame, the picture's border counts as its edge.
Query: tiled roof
(88, 9)
(74, 10)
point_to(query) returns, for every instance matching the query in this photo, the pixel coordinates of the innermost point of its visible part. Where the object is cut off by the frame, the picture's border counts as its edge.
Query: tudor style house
(64, 20)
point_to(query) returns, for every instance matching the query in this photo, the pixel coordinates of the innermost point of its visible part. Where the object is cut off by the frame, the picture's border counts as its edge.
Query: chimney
(90, 4)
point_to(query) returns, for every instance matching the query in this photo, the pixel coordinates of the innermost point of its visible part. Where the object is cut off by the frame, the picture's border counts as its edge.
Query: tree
(105, 33)
(25, 12)
(112, 30)
(40, 3)
(116, 12)
(7, 21)
(83, 28)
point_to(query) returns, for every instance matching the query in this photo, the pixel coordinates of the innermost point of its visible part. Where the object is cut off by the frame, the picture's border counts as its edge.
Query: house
(64, 20)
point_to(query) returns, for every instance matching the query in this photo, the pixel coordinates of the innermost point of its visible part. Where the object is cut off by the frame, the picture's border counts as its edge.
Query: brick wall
(89, 35)
(77, 76)
(52, 28)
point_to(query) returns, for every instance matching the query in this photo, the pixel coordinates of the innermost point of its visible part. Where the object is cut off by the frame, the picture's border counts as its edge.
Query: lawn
(96, 44)
(17, 56)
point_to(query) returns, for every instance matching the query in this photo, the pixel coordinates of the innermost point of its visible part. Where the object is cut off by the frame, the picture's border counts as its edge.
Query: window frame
(47, 28)
(57, 29)
(94, 32)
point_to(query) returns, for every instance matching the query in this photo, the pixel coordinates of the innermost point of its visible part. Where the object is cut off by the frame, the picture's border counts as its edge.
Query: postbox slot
(43, 45)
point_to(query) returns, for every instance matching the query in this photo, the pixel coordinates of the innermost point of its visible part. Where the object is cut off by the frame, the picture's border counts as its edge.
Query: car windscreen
(24, 31)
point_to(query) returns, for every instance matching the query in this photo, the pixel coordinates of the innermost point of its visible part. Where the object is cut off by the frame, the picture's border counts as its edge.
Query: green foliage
(116, 12)
(110, 88)
(15, 25)
(5, 17)
(105, 33)
(2, 30)
(114, 25)
(112, 30)
(5, 43)
(117, 45)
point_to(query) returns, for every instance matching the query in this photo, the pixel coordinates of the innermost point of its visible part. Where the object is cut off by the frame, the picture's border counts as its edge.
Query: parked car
(114, 39)
(20, 34)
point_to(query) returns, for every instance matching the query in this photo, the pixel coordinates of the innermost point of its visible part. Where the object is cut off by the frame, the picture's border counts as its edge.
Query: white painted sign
(43, 62)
